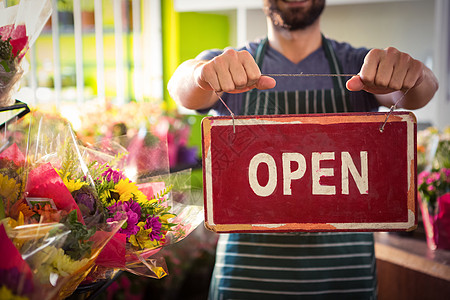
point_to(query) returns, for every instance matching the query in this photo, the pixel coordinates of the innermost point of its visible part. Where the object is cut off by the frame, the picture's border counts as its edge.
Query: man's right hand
(232, 72)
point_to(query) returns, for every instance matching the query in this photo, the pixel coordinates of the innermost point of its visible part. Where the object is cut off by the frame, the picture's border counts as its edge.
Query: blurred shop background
(104, 66)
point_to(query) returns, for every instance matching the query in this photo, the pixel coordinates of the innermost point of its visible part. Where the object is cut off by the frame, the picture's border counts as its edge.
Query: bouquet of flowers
(48, 246)
(159, 207)
(20, 25)
(106, 186)
(75, 214)
(434, 186)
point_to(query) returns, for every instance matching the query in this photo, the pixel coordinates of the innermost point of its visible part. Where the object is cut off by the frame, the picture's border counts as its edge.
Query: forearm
(184, 89)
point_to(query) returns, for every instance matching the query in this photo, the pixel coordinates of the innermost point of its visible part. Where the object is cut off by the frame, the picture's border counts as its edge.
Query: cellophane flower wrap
(159, 206)
(434, 185)
(12, 170)
(20, 25)
(54, 245)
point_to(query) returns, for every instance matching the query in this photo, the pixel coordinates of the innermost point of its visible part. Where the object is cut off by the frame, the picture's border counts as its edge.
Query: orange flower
(421, 148)
(21, 207)
(49, 214)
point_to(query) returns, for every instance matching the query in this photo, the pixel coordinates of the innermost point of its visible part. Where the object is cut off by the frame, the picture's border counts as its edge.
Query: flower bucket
(437, 225)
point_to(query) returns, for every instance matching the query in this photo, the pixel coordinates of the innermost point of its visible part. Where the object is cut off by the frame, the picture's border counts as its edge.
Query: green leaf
(5, 66)
(76, 244)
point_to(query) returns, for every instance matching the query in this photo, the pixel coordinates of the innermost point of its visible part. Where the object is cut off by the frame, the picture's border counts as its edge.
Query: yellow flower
(20, 221)
(9, 188)
(72, 185)
(107, 199)
(53, 260)
(165, 217)
(142, 238)
(129, 190)
(6, 293)
(125, 189)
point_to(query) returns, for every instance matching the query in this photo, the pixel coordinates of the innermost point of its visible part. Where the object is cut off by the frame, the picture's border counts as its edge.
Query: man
(298, 265)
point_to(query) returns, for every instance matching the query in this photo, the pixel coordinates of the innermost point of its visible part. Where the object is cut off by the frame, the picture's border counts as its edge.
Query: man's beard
(295, 18)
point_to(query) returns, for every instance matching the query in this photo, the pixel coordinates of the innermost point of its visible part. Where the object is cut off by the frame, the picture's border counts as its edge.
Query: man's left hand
(386, 71)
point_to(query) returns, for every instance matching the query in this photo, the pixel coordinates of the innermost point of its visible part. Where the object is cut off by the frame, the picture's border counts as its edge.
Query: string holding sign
(309, 75)
(231, 113)
(392, 108)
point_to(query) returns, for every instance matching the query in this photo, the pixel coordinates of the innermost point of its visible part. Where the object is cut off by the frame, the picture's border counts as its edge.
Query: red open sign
(322, 172)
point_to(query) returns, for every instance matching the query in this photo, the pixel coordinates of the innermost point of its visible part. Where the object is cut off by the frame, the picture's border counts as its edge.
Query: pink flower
(422, 176)
(437, 176)
(430, 180)
(446, 173)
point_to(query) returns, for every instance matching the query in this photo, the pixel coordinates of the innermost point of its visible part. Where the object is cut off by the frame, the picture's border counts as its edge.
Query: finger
(238, 75)
(414, 75)
(265, 82)
(222, 69)
(251, 68)
(236, 70)
(399, 72)
(386, 65)
(370, 66)
(355, 84)
(207, 77)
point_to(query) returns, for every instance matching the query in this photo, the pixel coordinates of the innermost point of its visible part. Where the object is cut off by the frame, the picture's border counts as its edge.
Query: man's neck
(295, 45)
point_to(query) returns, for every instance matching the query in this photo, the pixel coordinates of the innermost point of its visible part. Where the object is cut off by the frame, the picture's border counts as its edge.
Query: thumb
(355, 84)
(265, 82)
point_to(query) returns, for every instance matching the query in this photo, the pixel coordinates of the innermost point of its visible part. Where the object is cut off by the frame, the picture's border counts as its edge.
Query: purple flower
(133, 212)
(117, 216)
(113, 175)
(90, 207)
(84, 197)
(155, 225)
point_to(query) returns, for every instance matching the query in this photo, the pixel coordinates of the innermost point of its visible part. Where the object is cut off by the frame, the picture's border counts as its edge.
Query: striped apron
(295, 265)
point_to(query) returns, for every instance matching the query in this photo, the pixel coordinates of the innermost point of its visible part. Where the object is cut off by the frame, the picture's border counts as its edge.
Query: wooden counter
(408, 269)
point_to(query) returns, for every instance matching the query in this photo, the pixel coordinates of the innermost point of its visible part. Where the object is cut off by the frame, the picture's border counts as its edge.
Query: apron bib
(334, 100)
(295, 265)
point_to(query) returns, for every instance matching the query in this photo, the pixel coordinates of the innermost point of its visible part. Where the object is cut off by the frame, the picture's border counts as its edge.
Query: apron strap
(339, 90)
(261, 51)
(335, 65)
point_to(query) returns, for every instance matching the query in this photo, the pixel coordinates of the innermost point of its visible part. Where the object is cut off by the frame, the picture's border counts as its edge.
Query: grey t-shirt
(351, 60)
